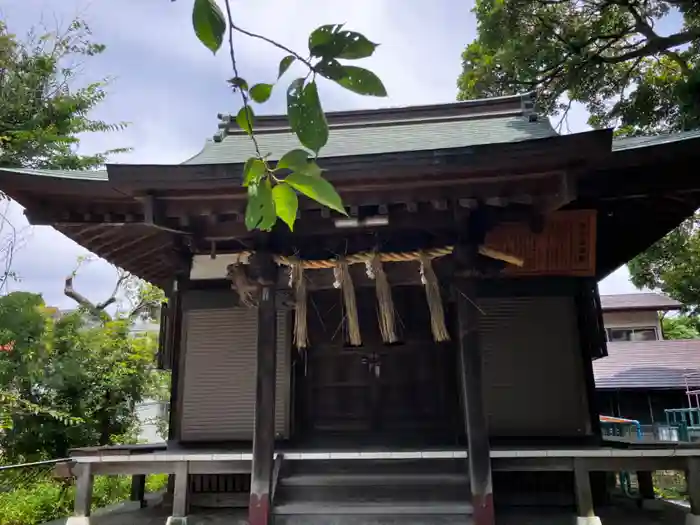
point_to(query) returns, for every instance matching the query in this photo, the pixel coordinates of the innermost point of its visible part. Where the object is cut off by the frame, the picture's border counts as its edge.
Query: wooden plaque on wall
(566, 245)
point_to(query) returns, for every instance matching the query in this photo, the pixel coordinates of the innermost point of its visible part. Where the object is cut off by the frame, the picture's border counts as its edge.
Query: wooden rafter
(130, 245)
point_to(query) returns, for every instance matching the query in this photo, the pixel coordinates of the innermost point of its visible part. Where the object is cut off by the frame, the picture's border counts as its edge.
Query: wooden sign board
(565, 247)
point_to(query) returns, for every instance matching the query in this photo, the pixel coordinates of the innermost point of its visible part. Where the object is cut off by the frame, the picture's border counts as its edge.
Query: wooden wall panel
(566, 246)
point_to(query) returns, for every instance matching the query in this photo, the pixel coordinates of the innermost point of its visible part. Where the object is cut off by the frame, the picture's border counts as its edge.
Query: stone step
(374, 478)
(333, 509)
(380, 466)
(427, 494)
(377, 519)
(411, 491)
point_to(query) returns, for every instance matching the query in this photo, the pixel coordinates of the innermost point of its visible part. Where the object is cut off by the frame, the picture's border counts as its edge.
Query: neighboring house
(149, 410)
(643, 374)
(148, 413)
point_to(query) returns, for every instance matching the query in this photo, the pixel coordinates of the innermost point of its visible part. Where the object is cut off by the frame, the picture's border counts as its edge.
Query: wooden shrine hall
(428, 355)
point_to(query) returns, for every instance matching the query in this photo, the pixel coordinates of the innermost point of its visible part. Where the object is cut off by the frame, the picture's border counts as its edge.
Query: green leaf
(261, 92)
(318, 189)
(356, 79)
(253, 211)
(295, 160)
(330, 68)
(312, 169)
(284, 65)
(321, 37)
(260, 211)
(245, 119)
(286, 203)
(209, 23)
(330, 41)
(306, 116)
(362, 81)
(238, 82)
(269, 216)
(356, 45)
(253, 170)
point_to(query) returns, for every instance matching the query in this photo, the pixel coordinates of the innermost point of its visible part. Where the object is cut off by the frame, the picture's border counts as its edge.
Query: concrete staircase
(373, 492)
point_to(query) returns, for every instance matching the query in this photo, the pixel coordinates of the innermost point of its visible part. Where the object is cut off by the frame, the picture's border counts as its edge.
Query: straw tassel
(298, 283)
(432, 292)
(239, 281)
(385, 302)
(343, 280)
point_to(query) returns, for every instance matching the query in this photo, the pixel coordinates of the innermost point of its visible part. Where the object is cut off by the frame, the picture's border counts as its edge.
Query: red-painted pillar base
(483, 510)
(259, 509)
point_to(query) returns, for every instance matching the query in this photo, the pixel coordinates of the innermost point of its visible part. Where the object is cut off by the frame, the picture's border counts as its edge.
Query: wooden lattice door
(377, 393)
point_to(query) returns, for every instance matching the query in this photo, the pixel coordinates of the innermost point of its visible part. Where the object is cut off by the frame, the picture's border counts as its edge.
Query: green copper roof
(642, 142)
(385, 137)
(389, 130)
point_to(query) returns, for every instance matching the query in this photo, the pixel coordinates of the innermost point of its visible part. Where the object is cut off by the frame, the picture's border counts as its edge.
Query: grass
(669, 484)
(46, 499)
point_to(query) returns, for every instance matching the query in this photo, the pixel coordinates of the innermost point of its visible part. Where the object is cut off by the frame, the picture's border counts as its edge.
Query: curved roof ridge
(522, 104)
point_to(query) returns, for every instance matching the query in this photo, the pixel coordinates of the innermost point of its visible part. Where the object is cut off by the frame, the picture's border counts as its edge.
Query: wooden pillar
(584, 496)
(138, 489)
(475, 421)
(176, 354)
(264, 267)
(180, 494)
(83, 490)
(692, 475)
(645, 482)
(592, 343)
(173, 341)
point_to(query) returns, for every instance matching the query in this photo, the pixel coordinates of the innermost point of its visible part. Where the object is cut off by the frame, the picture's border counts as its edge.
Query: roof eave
(18, 182)
(645, 308)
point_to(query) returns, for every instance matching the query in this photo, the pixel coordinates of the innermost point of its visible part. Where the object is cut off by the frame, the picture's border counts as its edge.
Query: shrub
(49, 499)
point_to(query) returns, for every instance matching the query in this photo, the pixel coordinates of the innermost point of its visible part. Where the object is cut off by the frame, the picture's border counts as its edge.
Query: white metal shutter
(533, 370)
(220, 370)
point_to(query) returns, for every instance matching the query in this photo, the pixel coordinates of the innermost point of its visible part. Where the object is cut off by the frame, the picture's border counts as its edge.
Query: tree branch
(657, 44)
(272, 42)
(139, 309)
(123, 276)
(564, 118)
(662, 45)
(96, 311)
(682, 63)
(234, 65)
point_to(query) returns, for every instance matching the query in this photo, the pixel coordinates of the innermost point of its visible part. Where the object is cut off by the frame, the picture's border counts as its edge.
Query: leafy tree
(606, 54)
(42, 111)
(672, 265)
(681, 327)
(86, 364)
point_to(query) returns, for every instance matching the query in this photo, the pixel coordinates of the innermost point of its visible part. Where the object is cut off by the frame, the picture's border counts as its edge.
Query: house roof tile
(638, 301)
(649, 365)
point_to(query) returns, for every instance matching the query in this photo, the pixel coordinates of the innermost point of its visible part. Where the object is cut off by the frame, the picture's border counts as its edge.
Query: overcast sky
(170, 88)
